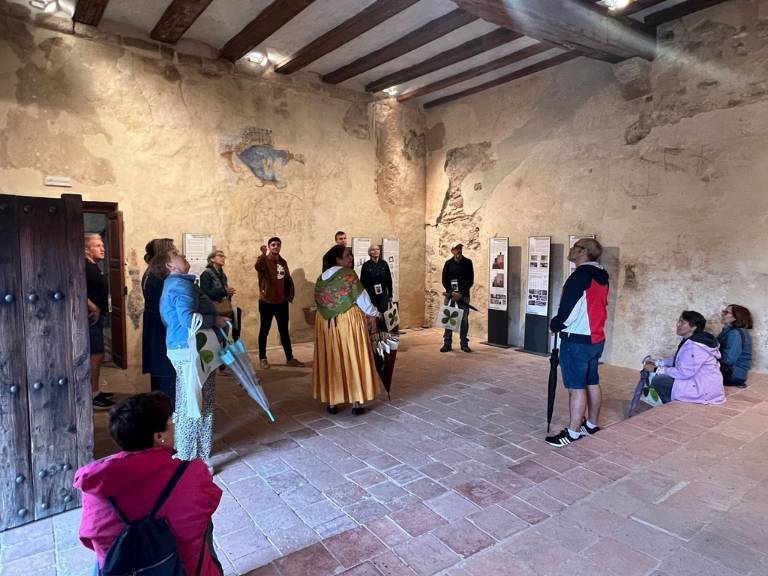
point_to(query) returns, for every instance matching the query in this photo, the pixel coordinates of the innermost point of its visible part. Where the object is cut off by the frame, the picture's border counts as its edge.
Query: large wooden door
(117, 289)
(45, 388)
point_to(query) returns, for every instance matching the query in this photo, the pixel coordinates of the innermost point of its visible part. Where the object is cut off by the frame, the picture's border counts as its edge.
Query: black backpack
(146, 547)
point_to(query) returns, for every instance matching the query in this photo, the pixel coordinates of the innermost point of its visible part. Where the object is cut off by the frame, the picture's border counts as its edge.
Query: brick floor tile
(417, 519)
(727, 552)
(509, 481)
(403, 474)
(562, 490)
(388, 564)
(590, 481)
(302, 496)
(336, 526)
(463, 538)
(346, 494)
(436, 470)
(387, 531)
(366, 569)
(286, 481)
(533, 471)
(320, 512)
(615, 557)
(426, 555)
(607, 469)
(523, 510)
(451, 505)
(366, 510)
(687, 563)
(354, 546)
(314, 559)
(366, 477)
(537, 554)
(425, 488)
(482, 493)
(239, 543)
(382, 462)
(255, 559)
(497, 522)
(566, 533)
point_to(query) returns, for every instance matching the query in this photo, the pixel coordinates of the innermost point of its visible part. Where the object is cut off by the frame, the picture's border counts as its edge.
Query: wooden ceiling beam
(177, 19)
(470, 48)
(573, 24)
(269, 21)
(419, 37)
(526, 52)
(544, 64)
(638, 6)
(90, 11)
(678, 11)
(348, 30)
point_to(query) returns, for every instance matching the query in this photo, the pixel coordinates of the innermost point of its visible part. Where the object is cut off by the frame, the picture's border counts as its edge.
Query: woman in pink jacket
(135, 477)
(693, 374)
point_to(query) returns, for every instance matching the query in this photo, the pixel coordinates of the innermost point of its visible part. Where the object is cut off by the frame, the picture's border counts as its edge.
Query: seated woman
(343, 369)
(142, 427)
(693, 374)
(735, 345)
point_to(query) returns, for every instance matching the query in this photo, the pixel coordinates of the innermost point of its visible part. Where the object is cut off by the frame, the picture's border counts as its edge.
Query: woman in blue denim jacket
(181, 299)
(735, 345)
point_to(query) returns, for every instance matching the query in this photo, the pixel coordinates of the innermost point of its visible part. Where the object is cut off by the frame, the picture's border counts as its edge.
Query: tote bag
(449, 317)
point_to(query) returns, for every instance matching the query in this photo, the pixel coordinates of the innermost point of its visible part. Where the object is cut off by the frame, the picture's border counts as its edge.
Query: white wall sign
(360, 247)
(498, 249)
(390, 252)
(196, 248)
(571, 241)
(537, 294)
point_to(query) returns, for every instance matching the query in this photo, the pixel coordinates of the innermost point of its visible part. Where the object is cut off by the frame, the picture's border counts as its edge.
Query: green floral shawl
(337, 294)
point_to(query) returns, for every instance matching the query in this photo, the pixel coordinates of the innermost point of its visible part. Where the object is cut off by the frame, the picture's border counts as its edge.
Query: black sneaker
(589, 430)
(563, 438)
(332, 409)
(466, 349)
(102, 404)
(101, 396)
(446, 348)
(358, 410)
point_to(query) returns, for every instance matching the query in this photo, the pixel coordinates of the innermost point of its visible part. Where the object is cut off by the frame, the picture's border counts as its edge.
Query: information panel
(571, 241)
(196, 248)
(360, 247)
(497, 270)
(537, 294)
(390, 251)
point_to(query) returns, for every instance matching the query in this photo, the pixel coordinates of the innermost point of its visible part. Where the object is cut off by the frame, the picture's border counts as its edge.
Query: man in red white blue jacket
(580, 321)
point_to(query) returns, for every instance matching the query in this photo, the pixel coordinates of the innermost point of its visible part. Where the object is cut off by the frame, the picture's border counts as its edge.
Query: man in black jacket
(458, 278)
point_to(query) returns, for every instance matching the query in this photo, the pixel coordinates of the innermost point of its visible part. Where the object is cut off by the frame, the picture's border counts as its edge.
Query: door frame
(107, 208)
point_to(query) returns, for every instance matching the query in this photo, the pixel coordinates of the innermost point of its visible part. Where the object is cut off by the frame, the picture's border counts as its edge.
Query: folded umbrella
(465, 301)
(554, 362)
(641, 385)
(236, 357)
(237, 324)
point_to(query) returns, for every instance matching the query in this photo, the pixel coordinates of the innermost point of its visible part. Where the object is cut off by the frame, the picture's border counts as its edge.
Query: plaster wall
(158, 132)
(671, 179)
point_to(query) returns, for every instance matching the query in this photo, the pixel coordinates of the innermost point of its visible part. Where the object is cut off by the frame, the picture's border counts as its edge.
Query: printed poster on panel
(537, 294)
(498, 249)
(390, 251)
(196, 248)
(360, 247)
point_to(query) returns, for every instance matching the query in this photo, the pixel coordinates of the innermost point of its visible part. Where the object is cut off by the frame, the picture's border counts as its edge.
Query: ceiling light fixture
(44, 5)
(257, 58)
(617, 4)
(391, 91)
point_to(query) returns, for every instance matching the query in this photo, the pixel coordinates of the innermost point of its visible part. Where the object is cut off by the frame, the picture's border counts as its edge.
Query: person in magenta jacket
(141, 425)
(693, 373)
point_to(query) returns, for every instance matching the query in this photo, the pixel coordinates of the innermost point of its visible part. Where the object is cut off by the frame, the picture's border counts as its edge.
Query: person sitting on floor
(693, 373)
(134, 478)
(735, 345)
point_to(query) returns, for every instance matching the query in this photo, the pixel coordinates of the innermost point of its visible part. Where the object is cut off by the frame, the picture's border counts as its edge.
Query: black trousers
(268, 311)
(166, 385)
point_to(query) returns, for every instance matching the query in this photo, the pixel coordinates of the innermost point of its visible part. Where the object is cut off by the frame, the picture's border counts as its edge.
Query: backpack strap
(169, 488)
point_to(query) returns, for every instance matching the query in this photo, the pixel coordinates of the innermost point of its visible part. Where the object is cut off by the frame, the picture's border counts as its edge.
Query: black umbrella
(641, 385)
(237, 324)
(554, 362)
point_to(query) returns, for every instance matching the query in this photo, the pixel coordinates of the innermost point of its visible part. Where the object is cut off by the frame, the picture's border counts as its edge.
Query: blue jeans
(463, 329)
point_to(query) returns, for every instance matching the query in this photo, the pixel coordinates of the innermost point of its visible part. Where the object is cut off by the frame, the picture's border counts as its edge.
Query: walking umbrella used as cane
(237, 322)
(554, 361)
(641, 385)
(236, 357)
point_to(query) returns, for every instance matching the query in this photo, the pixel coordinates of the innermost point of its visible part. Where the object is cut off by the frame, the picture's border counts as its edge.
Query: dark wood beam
(177, 19)
(526, 52)
(573, 24)
(419, 37)
(350, 29)
(271, 19)
(678, 11)
(90, 11)
(544, 64)
(471, 48)
(638, 5)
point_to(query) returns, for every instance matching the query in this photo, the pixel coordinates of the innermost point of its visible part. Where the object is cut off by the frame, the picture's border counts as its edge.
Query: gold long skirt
(343, 370)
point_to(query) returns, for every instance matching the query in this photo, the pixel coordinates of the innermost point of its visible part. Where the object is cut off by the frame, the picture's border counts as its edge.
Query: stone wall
(665, 162)
(162, 134)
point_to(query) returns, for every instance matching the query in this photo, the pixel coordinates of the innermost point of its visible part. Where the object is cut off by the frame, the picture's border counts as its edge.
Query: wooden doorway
(104, 218)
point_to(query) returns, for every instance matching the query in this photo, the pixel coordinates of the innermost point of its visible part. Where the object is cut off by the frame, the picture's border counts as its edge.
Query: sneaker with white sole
(563, 438)
(264, 364)
(588, 430)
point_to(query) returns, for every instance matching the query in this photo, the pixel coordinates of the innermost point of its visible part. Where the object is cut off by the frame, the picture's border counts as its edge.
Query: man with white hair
(98, 307)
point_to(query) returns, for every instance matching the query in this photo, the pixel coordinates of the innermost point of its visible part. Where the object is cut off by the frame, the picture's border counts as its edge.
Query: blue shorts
(578, 363)
(96, 336)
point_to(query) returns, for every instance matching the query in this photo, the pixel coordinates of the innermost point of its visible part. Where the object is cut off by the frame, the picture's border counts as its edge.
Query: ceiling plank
(544, 64)
(177, 19)
(638, 6)
(526, 52)
(348, 30)
(89, 11)
(573, 24)
(271, 19)
(470, 48)
(678, 11)
(419, 37)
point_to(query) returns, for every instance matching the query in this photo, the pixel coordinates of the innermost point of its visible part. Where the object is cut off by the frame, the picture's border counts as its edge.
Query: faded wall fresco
(666, 163)
(178, 142)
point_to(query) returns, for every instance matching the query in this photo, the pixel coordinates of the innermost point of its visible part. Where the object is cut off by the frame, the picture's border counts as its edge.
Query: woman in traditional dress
(343, 368)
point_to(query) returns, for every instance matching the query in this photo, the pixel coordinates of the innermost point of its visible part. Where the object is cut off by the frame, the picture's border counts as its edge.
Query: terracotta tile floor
(452, 477)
